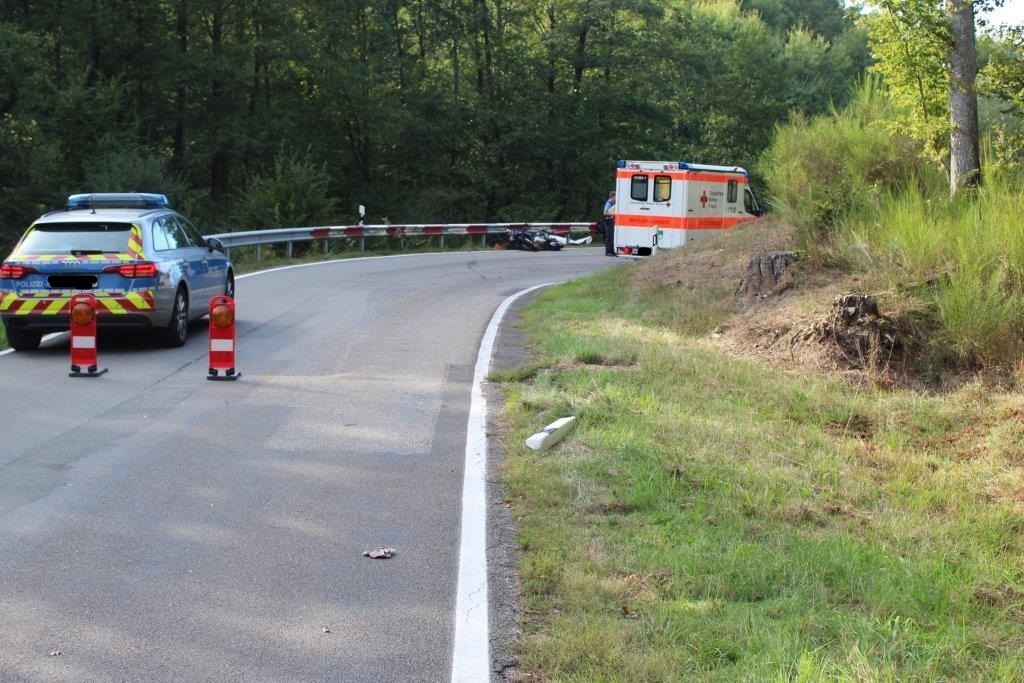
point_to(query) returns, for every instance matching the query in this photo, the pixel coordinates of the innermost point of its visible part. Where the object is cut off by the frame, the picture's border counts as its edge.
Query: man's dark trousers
(609, 235)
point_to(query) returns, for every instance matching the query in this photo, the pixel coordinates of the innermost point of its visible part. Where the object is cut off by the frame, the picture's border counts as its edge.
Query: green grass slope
(715, 517)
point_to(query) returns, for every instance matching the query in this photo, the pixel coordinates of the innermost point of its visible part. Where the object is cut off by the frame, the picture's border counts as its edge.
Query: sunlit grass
(714, 518)
(964, 258)
(863, 194)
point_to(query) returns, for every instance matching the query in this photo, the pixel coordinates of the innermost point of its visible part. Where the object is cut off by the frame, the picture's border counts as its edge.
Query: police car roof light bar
(118, 200)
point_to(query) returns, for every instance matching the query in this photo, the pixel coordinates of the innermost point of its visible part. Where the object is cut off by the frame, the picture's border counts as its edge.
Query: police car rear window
(72, 238)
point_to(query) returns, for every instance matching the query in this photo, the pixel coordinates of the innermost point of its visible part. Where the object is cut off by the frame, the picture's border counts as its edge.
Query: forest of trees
(264, 113)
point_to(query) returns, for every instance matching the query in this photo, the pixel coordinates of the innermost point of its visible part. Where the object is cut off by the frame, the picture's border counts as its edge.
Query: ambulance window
(749, 205)
(662, 188)
(732, 192)
(638, 188)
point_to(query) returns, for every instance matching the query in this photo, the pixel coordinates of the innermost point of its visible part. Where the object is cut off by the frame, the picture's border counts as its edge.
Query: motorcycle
(533, 240)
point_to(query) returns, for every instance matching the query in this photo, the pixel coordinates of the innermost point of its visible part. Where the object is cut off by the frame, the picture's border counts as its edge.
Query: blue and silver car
(147, 266)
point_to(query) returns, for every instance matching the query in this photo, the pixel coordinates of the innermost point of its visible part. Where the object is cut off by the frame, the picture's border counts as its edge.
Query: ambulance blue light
(684, 166)
(621, 164)
(118, 200)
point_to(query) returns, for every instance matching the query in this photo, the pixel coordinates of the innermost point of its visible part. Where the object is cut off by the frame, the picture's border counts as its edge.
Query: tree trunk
(94, 45)
(220, 163)
(964, 157)
(178, 145)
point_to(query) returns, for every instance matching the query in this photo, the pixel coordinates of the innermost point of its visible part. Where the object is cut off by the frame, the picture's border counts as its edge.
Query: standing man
(609, 225)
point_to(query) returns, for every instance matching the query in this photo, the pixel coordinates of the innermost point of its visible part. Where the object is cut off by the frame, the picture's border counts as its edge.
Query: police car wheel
(23, 340)
(176, 332)
(229, 286)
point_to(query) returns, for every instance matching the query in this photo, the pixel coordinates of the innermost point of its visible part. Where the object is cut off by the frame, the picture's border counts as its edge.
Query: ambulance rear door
(644, 207)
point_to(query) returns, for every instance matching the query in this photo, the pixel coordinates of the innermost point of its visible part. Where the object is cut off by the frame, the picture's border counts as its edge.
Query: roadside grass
(713, 518)
(3, 338)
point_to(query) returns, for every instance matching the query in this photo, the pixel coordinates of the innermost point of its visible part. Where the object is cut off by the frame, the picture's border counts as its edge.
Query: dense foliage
(422, 111)
(865, 191)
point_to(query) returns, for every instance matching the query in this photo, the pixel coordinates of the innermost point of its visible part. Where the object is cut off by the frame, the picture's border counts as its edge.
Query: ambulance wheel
(23, 340)
(176, 332)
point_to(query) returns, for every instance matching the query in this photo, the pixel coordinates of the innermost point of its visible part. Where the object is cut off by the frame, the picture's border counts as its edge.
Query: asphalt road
(154, 525)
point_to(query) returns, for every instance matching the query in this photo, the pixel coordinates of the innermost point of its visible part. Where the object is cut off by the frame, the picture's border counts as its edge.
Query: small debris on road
(380, 553)
(54, 653)
(326, 628)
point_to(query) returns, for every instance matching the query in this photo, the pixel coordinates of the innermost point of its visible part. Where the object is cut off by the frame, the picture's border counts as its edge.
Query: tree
(424, 110)
(1005, 70)
(927, 53)
(964, 154)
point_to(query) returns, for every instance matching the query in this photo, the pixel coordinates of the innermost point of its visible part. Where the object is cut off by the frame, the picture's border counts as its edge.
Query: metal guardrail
(288, 236)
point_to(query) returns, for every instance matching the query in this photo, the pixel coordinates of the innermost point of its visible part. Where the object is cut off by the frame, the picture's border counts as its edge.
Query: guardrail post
(290, 249)
(440, 242)
(259, 252)
(326, 248)
(483, 240)
(362, 244)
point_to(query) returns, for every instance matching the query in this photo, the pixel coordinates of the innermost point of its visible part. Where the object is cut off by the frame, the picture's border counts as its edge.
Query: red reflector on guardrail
(84, 359)
(222, 339)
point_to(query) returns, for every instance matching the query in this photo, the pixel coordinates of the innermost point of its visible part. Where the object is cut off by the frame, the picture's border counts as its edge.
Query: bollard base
(229, 375)
(91, 371)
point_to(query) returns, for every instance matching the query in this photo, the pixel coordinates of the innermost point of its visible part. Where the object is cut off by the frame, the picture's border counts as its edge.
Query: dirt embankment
(781, 306)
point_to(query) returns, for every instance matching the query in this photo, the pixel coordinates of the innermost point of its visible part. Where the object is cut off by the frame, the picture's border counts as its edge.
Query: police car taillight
(9, 271)
(134, 270)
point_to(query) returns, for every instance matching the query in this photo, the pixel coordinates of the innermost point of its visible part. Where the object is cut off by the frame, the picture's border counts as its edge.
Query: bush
(821, 170)
(295, 193)
(981, 318)
(966, 254)
(126, 167)
(870, 197)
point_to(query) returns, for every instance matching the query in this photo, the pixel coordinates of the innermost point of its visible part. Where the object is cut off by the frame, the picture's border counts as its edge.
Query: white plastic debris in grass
(552, 434)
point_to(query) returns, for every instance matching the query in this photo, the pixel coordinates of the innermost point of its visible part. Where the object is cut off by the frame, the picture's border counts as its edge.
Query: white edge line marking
(471, 657)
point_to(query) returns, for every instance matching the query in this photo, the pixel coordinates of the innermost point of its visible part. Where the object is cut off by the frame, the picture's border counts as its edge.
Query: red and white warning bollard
(222, 339)
(84, 362)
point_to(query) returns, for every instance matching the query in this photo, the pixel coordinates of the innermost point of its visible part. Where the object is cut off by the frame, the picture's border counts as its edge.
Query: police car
(147, 266)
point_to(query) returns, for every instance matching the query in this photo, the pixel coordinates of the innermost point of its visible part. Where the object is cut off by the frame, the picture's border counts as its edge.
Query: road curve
(154, 525)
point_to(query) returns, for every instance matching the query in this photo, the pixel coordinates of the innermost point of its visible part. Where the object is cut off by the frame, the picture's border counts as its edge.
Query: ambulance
(665, 204)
